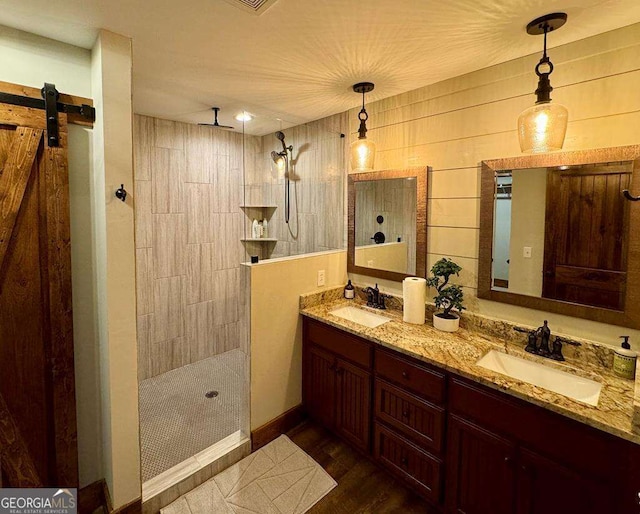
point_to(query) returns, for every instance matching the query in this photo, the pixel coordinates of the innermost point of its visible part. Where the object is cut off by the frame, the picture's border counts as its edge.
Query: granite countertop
(458, 353)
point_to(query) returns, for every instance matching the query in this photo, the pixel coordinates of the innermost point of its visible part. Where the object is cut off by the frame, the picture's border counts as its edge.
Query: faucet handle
(381, 298)
(556, 352)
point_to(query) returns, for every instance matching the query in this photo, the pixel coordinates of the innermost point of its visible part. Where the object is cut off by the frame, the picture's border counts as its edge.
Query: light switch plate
(321, 278)
(526, 252)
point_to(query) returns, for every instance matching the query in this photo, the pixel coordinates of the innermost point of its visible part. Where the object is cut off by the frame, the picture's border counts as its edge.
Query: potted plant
(449, 297)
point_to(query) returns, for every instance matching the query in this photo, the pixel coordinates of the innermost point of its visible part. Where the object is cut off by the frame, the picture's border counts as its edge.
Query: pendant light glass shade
(542, 127)
(363, 154)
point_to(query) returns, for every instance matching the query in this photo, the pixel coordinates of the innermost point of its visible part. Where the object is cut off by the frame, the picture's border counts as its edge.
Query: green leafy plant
(450, 296)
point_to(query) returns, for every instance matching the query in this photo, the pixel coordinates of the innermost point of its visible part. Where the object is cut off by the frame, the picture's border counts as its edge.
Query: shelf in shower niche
(258, 206)
(259, 240)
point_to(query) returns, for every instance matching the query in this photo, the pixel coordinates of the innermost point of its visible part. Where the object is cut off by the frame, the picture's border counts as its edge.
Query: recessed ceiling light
(243, 116)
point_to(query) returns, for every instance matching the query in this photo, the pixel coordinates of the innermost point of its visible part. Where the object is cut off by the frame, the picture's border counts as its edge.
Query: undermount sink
(578, 388)
(360, 316)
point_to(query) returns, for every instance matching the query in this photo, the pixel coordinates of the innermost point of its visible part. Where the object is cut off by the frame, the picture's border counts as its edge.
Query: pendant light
(542, 127)
(363, 150)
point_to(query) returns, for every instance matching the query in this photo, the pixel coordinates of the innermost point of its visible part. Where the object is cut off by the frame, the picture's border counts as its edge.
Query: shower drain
(211, 394)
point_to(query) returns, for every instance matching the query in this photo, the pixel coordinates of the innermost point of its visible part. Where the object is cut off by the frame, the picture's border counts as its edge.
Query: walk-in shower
(283, 161)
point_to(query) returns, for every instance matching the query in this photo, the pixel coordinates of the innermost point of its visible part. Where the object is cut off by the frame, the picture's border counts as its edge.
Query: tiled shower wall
(188, 188)
(317, 188)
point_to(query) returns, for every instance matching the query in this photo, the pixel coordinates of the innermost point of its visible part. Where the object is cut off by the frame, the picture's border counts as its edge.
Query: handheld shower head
(280, 137)
(275, 156)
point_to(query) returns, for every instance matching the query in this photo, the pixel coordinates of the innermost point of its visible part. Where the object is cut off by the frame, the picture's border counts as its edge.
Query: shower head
(275, 156)
(280, 137)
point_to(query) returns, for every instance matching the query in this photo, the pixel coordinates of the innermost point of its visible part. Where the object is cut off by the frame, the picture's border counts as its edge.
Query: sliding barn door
(37, 392)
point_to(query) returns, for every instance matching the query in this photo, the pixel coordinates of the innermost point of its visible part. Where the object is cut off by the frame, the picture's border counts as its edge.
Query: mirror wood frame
(630, 317)
(420, 174)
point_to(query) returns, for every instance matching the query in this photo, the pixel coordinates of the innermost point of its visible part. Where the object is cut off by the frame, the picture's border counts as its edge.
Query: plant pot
(446, 324)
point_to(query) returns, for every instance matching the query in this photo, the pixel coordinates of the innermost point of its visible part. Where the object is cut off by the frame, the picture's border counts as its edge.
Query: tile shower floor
(178, 420)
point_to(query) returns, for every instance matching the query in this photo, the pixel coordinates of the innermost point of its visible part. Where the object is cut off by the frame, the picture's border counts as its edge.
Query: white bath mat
(279, 478)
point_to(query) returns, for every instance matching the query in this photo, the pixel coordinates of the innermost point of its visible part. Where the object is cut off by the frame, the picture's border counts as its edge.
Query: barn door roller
(50, 104)
(51, 95)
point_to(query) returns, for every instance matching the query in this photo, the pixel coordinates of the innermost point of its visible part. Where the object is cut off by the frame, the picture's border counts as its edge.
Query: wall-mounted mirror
(388, 223)
(557, 233)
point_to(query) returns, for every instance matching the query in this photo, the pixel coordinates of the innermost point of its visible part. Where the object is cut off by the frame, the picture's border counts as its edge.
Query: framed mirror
(558, 233)
(387, 230)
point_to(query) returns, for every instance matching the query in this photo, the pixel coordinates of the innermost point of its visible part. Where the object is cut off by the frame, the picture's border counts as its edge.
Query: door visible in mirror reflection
(385, 225)
(561, 233)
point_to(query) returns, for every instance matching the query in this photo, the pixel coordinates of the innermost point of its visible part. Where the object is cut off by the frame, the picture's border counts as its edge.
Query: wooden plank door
(38, 441)
(585, 257)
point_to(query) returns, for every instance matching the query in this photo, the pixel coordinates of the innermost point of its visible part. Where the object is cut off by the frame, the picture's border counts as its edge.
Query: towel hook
(630, 197)
(121, 193)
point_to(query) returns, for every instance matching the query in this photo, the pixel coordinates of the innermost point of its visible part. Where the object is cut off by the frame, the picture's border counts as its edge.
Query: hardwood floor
(363, 487)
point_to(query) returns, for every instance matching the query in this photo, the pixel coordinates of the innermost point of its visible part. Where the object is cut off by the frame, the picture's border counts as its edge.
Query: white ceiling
(296, 62)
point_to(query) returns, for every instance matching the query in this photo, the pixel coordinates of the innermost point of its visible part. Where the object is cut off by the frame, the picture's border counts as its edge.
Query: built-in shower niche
(315, 164)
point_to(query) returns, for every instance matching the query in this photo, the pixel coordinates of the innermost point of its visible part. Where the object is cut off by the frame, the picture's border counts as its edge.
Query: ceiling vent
(255, 6)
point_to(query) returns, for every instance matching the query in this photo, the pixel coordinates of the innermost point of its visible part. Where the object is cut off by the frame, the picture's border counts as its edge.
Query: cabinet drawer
(421, 471)
(425, 382)
(341, 343)
(418, 420)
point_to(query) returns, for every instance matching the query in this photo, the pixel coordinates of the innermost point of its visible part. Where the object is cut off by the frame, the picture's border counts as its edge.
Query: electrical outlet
(526, 252)
(321, 277)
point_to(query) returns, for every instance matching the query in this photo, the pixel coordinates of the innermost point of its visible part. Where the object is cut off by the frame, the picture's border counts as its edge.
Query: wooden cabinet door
(38, 442)
(319, 390)
(353, 404)
(481, 470)
(547, 487)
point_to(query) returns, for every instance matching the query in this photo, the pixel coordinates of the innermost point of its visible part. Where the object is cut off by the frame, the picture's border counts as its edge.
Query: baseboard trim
(134, 507)
(276, 427)
(96, 496)
(91, 497)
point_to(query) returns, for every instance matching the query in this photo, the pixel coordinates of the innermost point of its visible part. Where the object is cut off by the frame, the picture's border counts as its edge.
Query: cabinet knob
(507, 459)
(405, 414)
(405, 374)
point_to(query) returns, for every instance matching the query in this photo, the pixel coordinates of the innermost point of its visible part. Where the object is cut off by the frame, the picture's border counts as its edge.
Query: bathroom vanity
(467, 439)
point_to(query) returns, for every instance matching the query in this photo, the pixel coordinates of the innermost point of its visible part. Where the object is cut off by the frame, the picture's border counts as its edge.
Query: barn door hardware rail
(52, 106)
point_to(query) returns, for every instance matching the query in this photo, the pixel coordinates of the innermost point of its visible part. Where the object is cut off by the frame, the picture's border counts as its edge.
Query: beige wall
(276, 328)
(316, 189)
(188, 249)
(454, 125)
(529, 194)
(387, 256)
(31, 60)
(114, 248)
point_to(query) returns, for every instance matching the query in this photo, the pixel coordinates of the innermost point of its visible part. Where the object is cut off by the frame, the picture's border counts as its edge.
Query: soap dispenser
(624, 360)
(349, 291)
